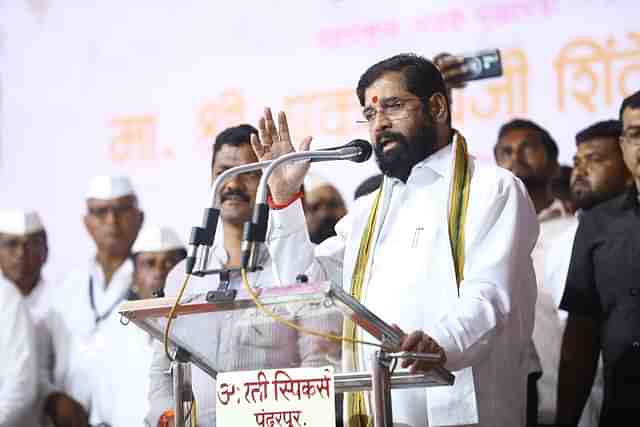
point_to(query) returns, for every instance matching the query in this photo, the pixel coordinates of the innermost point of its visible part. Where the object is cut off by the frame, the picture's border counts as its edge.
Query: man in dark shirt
(602, 296)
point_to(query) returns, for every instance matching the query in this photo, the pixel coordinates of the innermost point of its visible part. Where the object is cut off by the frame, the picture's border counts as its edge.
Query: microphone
(255, 231)
(202, 238)
(360, 149)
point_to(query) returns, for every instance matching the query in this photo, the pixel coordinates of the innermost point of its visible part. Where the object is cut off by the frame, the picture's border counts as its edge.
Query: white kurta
(552, 257)
(73, 300)
(411, 282)
(73, 304)
(241, 340)
(113, 366)
(18, 366)
(52, 342)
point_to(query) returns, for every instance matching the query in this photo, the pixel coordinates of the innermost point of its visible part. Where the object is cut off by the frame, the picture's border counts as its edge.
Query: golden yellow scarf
(458, 204)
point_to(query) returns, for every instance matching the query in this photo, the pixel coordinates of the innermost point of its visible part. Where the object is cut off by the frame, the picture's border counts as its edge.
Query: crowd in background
(69, 362)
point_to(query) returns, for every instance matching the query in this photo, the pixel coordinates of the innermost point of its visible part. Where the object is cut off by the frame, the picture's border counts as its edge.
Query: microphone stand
(255, 231)
(202, 237)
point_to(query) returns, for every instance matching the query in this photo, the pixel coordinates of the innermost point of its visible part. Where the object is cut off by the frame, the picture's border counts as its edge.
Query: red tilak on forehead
(374, 99)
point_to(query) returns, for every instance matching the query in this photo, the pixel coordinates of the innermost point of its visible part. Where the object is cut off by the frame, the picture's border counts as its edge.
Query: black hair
(234, 136)
(369, 185)
(631, 101)
(603, 129)
(561, 183)
(421, 77)
(181, 252)
(548, 142)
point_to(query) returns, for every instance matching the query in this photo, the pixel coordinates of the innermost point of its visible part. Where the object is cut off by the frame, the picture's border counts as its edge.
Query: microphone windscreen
(365, 150)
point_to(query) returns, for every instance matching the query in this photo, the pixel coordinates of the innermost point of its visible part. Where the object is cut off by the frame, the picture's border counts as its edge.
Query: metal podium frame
(380, 381)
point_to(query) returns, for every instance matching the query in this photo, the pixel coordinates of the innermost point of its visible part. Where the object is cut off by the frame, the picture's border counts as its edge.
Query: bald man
(323, 208)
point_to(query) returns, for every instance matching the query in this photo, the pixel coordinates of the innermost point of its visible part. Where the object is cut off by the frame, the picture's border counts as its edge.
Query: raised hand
(274, 142)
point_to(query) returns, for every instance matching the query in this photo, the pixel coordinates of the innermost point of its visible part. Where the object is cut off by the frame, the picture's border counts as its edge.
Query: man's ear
(439, 108)
(85, 219)
(141, 220)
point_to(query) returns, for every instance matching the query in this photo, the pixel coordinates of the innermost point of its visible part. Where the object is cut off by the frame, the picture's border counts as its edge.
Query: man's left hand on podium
(420, 342)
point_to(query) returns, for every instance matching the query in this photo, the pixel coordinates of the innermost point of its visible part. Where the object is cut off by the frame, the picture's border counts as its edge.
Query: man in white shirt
(18, 370)
(23, 253)
(530, 153)
(475, 308)
(92, 291)
(115, 360)
(229, 340)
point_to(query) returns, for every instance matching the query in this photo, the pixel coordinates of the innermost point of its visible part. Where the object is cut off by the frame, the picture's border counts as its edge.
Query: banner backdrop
(142, 88)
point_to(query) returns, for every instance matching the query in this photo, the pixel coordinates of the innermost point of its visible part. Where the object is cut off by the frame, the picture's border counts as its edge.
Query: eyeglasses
(12, 244)
(393, 108)
(631, 136)
(119, 211)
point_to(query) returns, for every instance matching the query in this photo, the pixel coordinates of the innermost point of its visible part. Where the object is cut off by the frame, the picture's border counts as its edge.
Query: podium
(221, 331)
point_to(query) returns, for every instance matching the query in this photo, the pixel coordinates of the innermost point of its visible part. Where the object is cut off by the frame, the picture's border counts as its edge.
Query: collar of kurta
(438, 162)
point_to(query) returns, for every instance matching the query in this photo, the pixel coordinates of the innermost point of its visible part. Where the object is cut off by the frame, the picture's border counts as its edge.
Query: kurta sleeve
(18, 369)
(292, 252)
(499, 282)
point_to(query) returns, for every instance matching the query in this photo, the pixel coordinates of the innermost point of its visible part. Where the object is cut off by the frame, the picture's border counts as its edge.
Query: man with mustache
(603, 298)
(531, 154)
(323, 208)
(238, 340)
(468, 297)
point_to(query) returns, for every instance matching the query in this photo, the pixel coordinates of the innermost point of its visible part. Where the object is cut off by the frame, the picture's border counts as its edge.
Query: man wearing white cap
(156, 251)
(113, 363)
(94, 290)
(23, 253)
(18, 369)
(323, 207)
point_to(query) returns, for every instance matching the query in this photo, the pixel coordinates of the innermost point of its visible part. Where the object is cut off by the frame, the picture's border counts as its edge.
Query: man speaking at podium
(443, 251)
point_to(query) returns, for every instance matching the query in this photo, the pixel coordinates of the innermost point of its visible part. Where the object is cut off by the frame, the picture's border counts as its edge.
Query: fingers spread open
(283, 127)
(265, 135)
(257, 146)
(270, 125)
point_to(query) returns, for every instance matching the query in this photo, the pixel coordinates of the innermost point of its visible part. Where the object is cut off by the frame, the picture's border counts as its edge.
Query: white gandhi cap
(153, 238)
(19, 222)
(105, 187)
